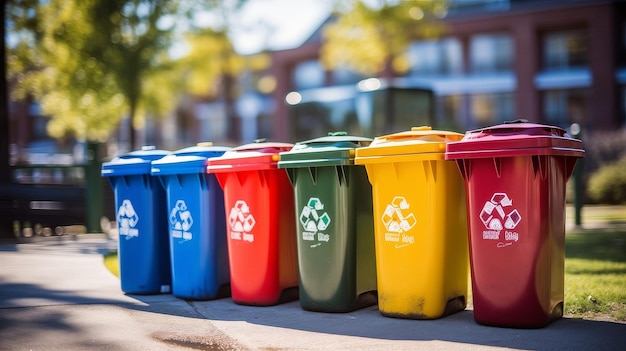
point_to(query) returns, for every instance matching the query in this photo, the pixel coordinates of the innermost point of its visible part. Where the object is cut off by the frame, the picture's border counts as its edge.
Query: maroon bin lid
(518, 138)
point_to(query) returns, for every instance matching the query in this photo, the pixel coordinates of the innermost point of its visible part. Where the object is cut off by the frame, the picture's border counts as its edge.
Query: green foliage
(91, 62)
(602, 147)
(367, 39)
(608, 184)
(87, 62)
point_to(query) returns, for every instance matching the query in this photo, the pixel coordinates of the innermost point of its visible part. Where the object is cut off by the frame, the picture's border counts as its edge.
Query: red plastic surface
(515, 176)
(515, 139)
(260, 222)
(516, 218)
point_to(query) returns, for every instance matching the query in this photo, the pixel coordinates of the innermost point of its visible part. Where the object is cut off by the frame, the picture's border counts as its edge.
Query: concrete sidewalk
(55, 294)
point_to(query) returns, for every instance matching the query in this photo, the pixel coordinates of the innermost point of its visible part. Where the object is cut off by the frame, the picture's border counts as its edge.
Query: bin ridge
(420, 224)
(195, 221)
(515, 177)
(260, 219)
(335, 240)
(142, 222)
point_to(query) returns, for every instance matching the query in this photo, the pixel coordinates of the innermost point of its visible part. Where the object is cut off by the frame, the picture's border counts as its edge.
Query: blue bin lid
(136, 162)
(188, 160)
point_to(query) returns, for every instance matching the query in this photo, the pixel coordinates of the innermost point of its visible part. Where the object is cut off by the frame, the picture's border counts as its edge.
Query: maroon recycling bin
(515, 177)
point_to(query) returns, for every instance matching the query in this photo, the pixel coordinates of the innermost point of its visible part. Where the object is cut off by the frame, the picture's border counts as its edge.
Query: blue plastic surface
(141, 216)
(196, 222)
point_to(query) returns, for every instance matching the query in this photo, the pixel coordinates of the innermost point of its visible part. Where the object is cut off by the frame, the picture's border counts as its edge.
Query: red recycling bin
(515, 177)
(260, 221)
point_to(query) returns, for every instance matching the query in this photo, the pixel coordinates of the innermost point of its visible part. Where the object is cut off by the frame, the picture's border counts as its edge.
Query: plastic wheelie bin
(141, 216)
(197, 227)
(515, 177)
(333, 200)
(259, 208)
(420, 223)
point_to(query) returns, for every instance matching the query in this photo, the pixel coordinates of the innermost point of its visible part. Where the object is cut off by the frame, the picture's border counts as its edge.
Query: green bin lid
(189, 160)
(256, 156)
(517, 138)
(335, 149)
(136, 162)
(419, 143)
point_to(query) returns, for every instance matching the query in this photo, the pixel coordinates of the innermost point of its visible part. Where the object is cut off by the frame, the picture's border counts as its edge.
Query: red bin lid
(260, 155)
(518, 138)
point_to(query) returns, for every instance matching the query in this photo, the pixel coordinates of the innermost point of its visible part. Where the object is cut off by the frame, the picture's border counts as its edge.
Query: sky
(289, 24)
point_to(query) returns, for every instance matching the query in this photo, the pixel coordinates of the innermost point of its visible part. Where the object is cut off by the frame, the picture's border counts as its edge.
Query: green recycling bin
(333, 199)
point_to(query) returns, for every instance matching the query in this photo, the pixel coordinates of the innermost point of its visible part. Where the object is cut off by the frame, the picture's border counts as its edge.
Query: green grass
(595, 274)
(112, 264)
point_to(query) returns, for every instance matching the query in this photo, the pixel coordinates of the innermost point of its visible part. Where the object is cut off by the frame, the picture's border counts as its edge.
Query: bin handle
(338, 138)
(337, 133)
(419, 133)
(509, 127)
(519, 120)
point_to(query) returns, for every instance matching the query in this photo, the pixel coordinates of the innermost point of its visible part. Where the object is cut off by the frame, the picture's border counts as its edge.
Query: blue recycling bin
(141, 216)
(196, 222)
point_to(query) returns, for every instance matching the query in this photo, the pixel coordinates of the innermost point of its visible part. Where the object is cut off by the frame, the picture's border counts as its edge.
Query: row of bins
(343, 222)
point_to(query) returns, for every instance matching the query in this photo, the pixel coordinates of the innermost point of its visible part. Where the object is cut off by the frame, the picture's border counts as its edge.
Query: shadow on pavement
(26, 307)
(564, 334)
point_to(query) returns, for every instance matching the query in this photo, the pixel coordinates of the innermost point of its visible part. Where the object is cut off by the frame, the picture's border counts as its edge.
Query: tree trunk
(5, 174)
(132, 134)
(228, 84)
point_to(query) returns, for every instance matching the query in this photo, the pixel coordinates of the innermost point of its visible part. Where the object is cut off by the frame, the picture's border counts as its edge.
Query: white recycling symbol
(240, 219)
(310, 218)
(180, 217)
(395, 218)
(495, 212)
(126, 215)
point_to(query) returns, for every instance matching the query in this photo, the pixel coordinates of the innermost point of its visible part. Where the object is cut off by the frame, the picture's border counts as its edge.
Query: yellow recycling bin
(420, 224)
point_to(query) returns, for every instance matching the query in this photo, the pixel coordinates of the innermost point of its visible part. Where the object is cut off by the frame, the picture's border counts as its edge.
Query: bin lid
(335, 149)
(517, 138)
(419, 143)
(188, 160)
(135, 162)
(256, 156)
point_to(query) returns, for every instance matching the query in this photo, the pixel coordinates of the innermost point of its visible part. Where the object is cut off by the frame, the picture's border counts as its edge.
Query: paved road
(55, 294)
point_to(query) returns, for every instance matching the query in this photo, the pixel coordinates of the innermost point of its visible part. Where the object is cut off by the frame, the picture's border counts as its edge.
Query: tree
(90, 62)
(202, 75)
(370, 37)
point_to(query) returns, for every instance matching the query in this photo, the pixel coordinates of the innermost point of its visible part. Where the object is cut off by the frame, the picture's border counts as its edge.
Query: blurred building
(555, 62)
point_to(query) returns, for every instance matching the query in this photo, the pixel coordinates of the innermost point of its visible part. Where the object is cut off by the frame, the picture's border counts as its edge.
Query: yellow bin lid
(419, 143)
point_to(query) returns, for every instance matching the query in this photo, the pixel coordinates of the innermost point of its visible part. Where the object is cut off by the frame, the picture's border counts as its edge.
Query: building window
(344, 76)
(477, 5)
(39, 122)
(449, 116)
(489, 109)
(564, 50)
(308, 74)
(491, 53)
(624, 106)
(622, 44)
(431, 57)
(563, 107)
